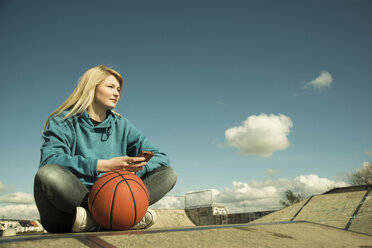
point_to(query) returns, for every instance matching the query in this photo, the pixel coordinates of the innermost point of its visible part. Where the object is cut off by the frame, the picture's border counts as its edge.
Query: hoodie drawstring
(106, 135)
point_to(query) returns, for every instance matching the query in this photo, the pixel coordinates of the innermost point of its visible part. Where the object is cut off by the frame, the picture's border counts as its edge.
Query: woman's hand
(131, 164)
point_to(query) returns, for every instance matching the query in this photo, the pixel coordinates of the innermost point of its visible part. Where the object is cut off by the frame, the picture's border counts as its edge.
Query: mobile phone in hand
(146, 154)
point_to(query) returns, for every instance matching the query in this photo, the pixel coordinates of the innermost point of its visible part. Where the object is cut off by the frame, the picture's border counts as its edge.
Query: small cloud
(260, 135)
(18, 205)
(20, 212)
(368, 152)
(342, 176)
(9, 187)
(221, 103)
(219, 144)
(313, 184)
(322, 82)
(170, 202)
(272, 172)
(18, 198)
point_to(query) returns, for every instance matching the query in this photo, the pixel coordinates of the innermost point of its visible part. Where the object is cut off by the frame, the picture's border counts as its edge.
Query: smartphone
(147, 154)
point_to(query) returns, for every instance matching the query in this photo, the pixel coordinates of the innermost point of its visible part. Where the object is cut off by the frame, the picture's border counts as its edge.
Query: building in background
(9, 227)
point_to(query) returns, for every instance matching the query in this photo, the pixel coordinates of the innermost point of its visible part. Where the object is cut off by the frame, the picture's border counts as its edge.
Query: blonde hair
(83, 95)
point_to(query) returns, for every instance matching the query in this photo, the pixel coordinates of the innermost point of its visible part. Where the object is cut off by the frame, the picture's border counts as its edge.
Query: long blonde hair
(83, 95)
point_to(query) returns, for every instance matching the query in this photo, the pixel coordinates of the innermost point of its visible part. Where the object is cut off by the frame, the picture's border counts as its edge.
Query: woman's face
(108, 93)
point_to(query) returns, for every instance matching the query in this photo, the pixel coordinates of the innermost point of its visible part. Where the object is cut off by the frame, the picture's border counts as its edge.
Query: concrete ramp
(168, 218)
(345, 210)
(363, 220)
(292, 234)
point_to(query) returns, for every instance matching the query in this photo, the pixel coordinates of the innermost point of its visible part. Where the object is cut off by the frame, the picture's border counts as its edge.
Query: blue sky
(192, 70)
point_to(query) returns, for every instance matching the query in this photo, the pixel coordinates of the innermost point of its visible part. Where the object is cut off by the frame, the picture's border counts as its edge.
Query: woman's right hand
(131, 164)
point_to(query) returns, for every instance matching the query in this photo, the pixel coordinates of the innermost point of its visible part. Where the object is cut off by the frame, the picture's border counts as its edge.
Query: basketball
(118, 200)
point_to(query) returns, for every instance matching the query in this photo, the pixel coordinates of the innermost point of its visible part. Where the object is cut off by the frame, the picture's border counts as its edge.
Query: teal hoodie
(77, 144)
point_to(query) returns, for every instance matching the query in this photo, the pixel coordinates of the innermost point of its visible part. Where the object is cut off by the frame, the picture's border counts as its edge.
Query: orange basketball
(118, 200)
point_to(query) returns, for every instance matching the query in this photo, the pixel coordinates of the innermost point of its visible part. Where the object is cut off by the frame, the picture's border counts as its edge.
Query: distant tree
(362, 176)
(291, 198)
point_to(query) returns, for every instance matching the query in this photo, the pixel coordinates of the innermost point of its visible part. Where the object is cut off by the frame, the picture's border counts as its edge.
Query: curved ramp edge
(171, 218)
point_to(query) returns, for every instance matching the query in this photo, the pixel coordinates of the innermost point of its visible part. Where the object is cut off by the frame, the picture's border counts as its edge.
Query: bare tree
(291, 198)
(362, 176)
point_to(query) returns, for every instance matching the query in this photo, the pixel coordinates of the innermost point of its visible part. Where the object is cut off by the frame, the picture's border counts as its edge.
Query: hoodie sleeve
(137, 142)
(58, 149)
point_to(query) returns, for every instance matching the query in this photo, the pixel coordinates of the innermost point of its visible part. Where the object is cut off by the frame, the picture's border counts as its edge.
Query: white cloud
(170, 202)
(278, 183)
(313, 184)
(322, 82)
(17, 205)
(17, 197)
(8, 187)
(260, 135)
(259, 196)
(365, 167)
(272, 172)
(19, 211)
(221, 103)
(244, 191)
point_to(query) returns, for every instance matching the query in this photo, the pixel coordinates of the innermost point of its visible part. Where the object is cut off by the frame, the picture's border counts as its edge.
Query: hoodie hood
(104, 127)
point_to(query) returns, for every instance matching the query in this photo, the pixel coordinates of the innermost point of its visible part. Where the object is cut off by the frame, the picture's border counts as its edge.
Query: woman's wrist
(101, 166)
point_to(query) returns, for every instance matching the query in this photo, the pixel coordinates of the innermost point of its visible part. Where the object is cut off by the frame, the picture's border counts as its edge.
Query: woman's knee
(57, 186)
(49, 174)
(163, 175)
(54, 178)
(171, 175)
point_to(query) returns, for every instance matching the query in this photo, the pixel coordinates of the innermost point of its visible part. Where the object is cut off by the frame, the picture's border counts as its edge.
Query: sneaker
(147, 221)
(84, 222)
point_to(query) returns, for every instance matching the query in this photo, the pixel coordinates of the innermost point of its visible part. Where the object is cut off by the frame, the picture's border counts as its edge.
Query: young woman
(85, 138)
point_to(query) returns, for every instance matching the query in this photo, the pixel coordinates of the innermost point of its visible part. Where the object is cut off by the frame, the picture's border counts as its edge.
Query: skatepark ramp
(347, 208)
(171, 218)
(339, 218)
(209, 215)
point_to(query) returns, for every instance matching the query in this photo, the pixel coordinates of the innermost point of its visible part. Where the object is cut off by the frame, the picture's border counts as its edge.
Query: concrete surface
(341, 219)
(273, 235)
(294, 234)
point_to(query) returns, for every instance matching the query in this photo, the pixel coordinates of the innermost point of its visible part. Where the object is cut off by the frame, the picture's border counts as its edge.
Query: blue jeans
(58, 192)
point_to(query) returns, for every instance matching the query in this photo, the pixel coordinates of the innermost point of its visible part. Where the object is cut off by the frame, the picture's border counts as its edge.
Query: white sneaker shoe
(84, 222)
(147, 221)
